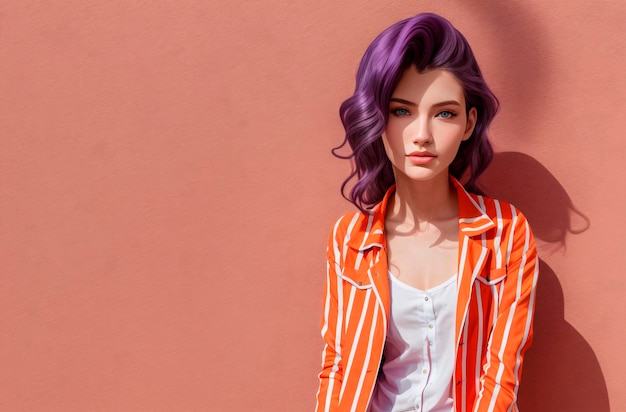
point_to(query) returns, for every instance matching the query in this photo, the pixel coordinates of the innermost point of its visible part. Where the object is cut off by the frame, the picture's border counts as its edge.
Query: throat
(419, 208)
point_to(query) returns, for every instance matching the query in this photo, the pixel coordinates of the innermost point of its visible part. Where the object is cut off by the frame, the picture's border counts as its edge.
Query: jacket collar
(473, 219)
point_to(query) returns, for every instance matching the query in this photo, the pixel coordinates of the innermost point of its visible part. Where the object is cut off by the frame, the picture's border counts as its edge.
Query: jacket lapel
(473, 250)
(371, 258)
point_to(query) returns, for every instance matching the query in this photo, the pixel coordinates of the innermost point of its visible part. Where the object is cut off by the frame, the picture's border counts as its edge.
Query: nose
(419, 131)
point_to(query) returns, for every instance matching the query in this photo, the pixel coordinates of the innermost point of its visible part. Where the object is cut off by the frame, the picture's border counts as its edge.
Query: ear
(471, 123)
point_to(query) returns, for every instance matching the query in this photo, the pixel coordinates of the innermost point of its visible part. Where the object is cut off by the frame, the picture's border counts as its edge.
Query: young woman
(430, 288)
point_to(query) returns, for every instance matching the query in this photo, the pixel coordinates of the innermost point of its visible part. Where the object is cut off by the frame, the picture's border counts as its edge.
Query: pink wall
(166, 191)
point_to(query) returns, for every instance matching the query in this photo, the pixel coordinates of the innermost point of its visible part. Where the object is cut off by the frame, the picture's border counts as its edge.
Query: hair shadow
(523, 181)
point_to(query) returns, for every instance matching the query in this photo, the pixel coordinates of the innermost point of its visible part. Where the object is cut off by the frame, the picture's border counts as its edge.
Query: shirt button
(426, 298)
(430, 326)
(425, 371)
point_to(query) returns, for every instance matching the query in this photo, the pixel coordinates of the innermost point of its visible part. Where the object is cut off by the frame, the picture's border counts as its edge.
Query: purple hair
(426, 41)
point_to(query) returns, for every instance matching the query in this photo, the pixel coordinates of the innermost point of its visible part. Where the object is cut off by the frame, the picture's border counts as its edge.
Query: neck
(423, 202)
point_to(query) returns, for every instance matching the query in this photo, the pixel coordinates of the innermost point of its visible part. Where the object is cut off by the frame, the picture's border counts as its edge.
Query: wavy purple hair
(426, 41)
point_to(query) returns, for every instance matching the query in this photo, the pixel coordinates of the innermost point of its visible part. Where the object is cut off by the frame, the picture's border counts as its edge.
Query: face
(427, 123)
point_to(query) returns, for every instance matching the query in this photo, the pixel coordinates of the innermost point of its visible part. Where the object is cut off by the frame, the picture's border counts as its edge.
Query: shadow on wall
(523, 181)
(561, 371)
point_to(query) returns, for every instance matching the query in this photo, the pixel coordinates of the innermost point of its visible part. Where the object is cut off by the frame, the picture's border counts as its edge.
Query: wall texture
(166, 192)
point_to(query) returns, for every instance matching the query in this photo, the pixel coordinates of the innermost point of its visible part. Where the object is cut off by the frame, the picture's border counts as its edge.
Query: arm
(512, 331)
(331, 325)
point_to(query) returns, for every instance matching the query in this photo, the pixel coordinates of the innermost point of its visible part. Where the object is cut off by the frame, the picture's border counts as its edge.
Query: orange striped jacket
(496, 283)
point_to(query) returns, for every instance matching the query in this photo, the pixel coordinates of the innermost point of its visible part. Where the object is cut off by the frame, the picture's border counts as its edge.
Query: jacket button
(360, 283)
(376, 274)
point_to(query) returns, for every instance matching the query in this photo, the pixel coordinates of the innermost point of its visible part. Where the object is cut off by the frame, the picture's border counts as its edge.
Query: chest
(423, 261)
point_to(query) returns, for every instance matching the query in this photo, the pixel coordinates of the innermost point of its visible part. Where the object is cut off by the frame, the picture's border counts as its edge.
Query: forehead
(429, 86)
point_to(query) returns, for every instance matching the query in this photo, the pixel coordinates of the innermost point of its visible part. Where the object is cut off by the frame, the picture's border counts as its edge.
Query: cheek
(393, 135)
(451, 134)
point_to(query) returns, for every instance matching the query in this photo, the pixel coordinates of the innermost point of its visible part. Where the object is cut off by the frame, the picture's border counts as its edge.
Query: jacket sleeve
(331, 326)
(512, 331)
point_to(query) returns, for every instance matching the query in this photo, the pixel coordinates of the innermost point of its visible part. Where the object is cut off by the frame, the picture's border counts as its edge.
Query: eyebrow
(410, 103)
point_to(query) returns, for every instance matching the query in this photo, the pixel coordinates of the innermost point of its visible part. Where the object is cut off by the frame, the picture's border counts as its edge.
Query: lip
(421, 158)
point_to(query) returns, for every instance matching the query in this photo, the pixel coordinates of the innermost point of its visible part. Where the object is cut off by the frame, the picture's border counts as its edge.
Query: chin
(423, 175)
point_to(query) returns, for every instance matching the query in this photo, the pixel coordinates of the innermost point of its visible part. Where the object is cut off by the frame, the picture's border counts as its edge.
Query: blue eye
(400, 112)
(446, 114)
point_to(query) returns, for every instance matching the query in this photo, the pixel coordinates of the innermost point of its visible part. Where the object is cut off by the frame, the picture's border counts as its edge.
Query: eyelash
(452, 114)
(395, 112)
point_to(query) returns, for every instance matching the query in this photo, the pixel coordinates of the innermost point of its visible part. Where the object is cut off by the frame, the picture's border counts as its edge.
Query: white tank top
(419, 350)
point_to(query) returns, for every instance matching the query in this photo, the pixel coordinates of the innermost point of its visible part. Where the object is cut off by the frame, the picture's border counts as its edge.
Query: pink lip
(421, 158)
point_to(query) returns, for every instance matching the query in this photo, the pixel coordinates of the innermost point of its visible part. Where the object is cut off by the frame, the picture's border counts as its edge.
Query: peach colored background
(166, 191)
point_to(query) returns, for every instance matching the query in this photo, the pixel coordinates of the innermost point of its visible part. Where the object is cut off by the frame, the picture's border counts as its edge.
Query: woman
(430, 288)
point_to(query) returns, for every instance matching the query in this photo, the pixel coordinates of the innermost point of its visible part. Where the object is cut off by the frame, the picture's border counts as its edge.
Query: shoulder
(498, 210)
(354, 230)
(477, 210)
(511, 231)
(510, 226)
(348, 224)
